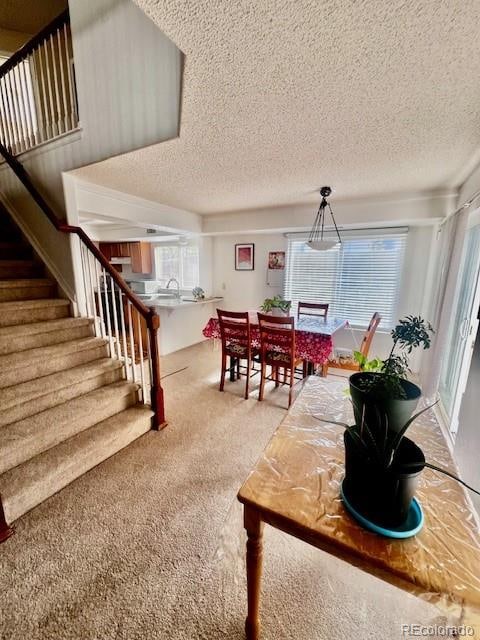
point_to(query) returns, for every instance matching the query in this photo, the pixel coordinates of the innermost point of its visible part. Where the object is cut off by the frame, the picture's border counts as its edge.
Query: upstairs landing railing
(38, 98)
(130, 327)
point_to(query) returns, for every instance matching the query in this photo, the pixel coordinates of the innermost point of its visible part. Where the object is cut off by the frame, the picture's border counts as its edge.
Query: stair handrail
(32, 44)
(148, 313)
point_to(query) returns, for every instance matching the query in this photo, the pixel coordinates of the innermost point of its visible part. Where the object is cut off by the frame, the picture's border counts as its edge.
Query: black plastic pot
(374, 407)
(383, 496)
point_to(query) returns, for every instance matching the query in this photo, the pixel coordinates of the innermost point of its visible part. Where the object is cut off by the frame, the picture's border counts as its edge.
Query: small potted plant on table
(277, 306)
(381, 464)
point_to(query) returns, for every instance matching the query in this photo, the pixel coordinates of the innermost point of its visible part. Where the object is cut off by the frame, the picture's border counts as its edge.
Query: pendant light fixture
(316, 241)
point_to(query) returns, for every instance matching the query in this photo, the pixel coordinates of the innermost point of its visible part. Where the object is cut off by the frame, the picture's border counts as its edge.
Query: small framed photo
(244, 257)
(276, 260)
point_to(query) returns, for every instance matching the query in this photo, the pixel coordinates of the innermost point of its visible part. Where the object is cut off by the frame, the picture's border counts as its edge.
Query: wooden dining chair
(236, 345)
(277, 350)
(344, 358)
(316, 309)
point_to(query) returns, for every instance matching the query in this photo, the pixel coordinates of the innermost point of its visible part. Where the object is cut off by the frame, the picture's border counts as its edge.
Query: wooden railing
(130, 327)
(38, 99)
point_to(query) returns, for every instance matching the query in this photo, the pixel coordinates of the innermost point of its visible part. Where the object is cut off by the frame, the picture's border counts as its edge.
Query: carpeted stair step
(14, 251)
(20, 269)
(32, 482)
(41, 334)
(26, 311)
(26, 289)
(28, 398)
(31, 436)
(42, 361)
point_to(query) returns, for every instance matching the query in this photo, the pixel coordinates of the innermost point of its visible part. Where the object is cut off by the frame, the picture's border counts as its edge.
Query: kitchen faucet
(177, 283)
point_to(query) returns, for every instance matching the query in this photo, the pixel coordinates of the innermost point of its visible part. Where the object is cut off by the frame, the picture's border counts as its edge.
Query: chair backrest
(234, 328)
(369, 333)
(277, 333)
(316, 309)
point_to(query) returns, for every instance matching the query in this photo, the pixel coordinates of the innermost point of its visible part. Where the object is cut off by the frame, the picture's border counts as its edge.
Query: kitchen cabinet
(106, 249)
(140, 254)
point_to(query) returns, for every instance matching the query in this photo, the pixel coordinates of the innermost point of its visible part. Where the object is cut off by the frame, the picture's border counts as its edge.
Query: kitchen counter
(181, 321)
(175, 303)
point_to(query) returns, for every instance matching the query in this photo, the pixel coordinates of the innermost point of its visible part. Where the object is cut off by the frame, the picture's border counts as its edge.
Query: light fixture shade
(322, 245)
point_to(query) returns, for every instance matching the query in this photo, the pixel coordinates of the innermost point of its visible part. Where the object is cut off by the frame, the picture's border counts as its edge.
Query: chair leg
(324, 370)
(238, 368)
(262, 381)
(224, 367)
(290, 393)
(304, 369)
(275, 376)
(248, 378)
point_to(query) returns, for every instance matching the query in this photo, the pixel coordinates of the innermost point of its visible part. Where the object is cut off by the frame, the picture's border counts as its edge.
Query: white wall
(243, 290)
(247, 289)
(402, 210)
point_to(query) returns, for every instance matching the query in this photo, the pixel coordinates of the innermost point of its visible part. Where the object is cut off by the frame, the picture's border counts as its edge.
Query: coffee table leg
(254, 527)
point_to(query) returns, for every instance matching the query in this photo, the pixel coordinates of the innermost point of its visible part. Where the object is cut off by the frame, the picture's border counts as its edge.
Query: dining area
(282, 347)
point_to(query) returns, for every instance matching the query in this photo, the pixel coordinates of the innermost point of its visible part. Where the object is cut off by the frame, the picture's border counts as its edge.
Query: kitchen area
(172, 277)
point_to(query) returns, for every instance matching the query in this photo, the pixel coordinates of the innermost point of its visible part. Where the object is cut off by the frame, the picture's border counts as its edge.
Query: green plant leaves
(412, 332)
(277, 302)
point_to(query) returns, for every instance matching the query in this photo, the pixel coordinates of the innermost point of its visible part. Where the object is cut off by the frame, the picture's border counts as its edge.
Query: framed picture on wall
(244, 257)
(276, 260)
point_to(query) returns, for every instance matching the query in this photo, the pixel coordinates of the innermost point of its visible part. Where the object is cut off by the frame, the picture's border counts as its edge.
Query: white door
(463, 328)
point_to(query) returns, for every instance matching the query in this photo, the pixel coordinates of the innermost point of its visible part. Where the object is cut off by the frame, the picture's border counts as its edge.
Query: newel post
(158, 405)
(5, 530)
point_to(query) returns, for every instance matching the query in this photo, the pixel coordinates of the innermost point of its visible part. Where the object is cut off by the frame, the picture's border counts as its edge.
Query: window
(357, 278)
(180, 262)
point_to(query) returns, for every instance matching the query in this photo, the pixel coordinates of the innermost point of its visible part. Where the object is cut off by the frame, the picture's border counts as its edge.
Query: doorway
(463, 327)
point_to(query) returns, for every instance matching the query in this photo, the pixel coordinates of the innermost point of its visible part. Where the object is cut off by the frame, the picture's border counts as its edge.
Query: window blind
(357, 278)
(180, 262)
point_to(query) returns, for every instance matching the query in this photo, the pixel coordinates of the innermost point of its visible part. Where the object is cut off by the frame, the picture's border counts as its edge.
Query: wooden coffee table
(295, 487)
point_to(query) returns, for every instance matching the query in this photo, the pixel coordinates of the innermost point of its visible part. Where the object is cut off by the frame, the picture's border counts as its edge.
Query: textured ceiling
(29, 16)
(282, 96)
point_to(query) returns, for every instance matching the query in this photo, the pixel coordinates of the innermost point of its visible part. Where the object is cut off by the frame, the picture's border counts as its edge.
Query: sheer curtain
(452, 237)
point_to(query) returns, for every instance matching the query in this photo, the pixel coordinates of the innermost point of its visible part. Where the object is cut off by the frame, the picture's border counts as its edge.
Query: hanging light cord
(334, 224)
(319, 224)
(317, 229)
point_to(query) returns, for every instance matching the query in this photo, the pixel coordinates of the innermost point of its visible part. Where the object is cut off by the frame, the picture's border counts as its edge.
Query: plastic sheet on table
(299, 476)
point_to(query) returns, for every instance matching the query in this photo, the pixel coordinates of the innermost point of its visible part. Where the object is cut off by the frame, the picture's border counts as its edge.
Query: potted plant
(380, 391)
(277, 306)
(381, 472)
(382, 465)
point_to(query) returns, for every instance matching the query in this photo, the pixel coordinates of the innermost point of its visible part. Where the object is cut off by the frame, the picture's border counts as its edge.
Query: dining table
(295, 488)
(313, 337)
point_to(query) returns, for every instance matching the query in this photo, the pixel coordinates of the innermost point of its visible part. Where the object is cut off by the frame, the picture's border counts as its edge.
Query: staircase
(65, 405)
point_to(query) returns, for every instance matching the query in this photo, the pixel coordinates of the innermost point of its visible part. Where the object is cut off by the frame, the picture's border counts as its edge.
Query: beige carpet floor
(149, 544)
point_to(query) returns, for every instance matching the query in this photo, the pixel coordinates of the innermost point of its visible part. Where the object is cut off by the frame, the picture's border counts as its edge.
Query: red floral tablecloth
(313, 337)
